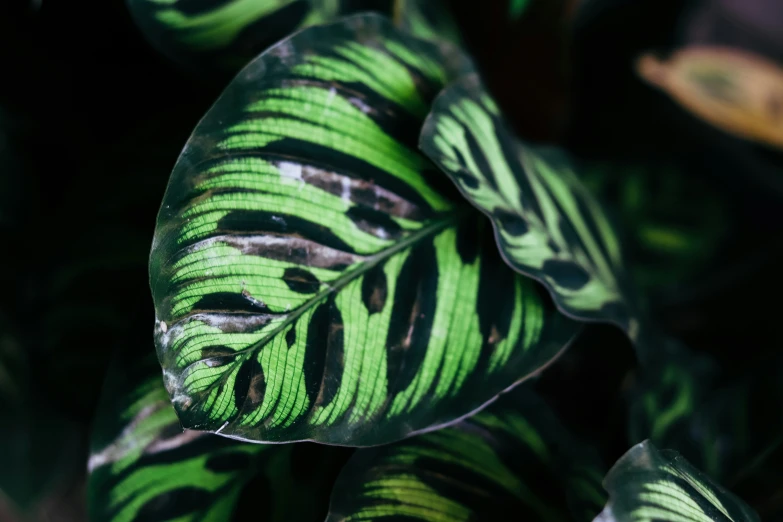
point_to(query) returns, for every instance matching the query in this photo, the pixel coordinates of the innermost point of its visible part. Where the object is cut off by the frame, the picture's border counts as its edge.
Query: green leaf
(314, 277)
(226, 34)
(428, 19)
(685, 402)
(547, 224)
(672, 221)
(143, 466)
(648, 485)
(512, 458)
(517, 7)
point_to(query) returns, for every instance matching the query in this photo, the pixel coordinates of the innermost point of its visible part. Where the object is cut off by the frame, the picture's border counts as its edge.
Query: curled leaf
(736, 91)
(648, 485)
(513, 460)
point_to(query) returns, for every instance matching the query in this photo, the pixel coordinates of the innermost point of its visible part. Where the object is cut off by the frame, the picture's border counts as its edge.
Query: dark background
(92, 120)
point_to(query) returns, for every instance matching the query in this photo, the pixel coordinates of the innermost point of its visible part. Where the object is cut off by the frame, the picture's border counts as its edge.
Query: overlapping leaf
(721, 428)
(143, 466)
(517, 7)
(547, 223)
(648, 485)
(226, 34)
(512, 461)
(314, 276)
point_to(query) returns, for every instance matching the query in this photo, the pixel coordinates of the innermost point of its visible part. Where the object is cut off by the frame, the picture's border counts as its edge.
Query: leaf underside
(648, 485)
(546, 222)
(512, 461)
(314, 276)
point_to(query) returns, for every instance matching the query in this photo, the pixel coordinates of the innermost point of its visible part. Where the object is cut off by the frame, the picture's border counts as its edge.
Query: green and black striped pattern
(144, 467)
(547, 223)
(314, 276)
(516, 8)
(512, 461)
(648, 485)
(672, 220)
(226, 34)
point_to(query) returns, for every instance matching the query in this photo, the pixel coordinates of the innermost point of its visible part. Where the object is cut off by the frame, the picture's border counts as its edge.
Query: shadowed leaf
(648, 485)
(512, 461)
(144, 466)
(226, 34)
(548, 225)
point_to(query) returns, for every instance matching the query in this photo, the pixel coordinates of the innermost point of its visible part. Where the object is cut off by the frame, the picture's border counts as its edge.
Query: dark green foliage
(504, 460)
(349, 251)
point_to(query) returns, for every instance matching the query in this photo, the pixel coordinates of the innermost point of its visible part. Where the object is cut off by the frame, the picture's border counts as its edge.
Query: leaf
(685, 403)
(736, 91)
(517, 7)
(672, 221)
(227, 34)
(313, 275)
(427, 19)
(651, 485)
(547, 224)
(143, 466)
(513, 460)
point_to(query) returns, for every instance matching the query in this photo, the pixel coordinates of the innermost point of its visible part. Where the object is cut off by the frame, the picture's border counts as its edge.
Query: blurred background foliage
(92, 118)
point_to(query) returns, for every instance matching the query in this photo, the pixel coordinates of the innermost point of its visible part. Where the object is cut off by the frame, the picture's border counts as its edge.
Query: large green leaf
(143, 466)
(512, 461)
(648, 485)
(226, 34)
(314, 276)
(547, 224)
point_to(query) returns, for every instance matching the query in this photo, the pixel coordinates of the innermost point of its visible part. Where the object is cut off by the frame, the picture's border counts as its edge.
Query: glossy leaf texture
(732, 89)
(547, 224)
(144, 466)
(648, 485)
(314, 276)
(223, 35)
(511, 461)
(672, 222)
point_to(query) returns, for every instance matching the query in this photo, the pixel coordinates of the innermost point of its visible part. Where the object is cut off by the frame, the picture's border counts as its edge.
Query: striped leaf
(547, 224)
(314, 277)
(226, 34)
(513, 460)
(144, 467)
(648, 485)
(672, 221)
(428, 19)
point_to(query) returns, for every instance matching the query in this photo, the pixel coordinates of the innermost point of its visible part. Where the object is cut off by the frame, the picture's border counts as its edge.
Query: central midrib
(429, 230)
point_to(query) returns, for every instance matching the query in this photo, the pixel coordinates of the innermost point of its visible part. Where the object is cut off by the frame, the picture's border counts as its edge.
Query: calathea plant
(354, 249)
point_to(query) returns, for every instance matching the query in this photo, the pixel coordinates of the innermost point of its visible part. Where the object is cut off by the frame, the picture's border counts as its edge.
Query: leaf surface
(547, 224)
(144, 466)
(223, 35)
(651, 485)
(512, 461)
(314, 276)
